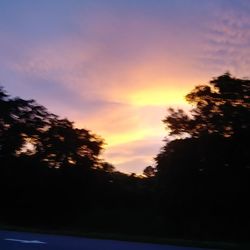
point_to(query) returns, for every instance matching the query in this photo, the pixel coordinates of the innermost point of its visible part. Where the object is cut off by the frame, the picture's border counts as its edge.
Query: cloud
(134, 156)
(115, 74)
(226, 40)
(114, 67)
(121, 123)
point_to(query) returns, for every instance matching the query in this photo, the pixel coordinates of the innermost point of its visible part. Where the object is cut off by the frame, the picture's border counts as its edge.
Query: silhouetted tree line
(203, 174)
(52, 173)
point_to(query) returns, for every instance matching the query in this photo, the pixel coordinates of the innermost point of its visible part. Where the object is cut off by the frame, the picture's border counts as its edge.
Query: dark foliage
(204, 178)
(51, 174)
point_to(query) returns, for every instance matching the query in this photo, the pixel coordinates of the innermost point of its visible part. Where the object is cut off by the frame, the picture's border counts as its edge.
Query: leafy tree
(107, 167)
(62, 145)
(20, 121)
(221, 107)
(221, 112)
(203, 178)
(26, 127)
(149, 171)
(51, 174)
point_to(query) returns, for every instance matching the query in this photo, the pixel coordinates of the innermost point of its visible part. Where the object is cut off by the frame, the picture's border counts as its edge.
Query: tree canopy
(52, 173)
(220, 107)
(203, 178)
(28, 128)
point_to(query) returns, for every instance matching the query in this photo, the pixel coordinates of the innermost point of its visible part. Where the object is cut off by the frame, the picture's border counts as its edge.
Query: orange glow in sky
(114, 67)
(158, 97)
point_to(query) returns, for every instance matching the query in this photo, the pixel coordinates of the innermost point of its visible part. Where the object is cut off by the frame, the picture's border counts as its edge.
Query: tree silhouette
(36, 149)
(20, 120)
(149, 171)
(107, 167)
(62, 145)
(24, 123)
(221, 107)
(51, 174)
(203, 178)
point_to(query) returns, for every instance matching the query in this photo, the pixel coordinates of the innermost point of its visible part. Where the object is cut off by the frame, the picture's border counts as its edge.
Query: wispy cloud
(136, 155)
(227, 38)
(115, 66)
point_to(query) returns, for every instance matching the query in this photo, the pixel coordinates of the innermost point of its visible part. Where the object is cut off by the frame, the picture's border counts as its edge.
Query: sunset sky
(115, 66)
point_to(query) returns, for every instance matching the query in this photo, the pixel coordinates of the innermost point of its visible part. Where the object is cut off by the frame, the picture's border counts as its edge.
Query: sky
(115, 66)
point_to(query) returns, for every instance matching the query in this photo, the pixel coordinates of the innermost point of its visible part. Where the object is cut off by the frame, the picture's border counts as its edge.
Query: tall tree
(62, 145)
(220, 107)
(203, 178)
(20, 121)
(26, 125)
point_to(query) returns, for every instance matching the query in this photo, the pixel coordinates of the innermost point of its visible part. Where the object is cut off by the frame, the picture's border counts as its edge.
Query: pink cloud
(116, 70)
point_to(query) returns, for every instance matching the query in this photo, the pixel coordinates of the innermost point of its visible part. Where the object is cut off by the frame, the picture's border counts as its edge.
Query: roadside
(131, 238)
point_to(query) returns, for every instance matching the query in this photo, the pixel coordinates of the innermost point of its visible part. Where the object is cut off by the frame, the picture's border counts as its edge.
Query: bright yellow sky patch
(158, 97)
(122, 138)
